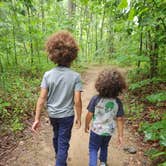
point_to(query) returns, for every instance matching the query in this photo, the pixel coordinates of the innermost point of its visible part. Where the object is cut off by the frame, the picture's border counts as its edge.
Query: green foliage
(155, 115)
(155, 131)
(146, 82)
(123, 4)
(126, 33)
(135, 111)
(157, 97)
(131, 14)
(16, 125)
(163, 164)
(131, 59)
(19, 92)
(3, 108)
(154, 153)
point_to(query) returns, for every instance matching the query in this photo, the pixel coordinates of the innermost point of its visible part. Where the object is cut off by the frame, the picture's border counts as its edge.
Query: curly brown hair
(62, 48)
(110, 83)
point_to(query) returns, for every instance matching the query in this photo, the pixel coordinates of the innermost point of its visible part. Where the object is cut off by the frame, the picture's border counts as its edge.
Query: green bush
(155, 132)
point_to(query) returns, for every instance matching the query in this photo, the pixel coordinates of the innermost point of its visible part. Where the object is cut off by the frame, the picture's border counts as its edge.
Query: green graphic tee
(105, 112)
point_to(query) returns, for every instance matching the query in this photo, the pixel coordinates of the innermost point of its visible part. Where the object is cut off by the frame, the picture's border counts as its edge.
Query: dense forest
(127, 33)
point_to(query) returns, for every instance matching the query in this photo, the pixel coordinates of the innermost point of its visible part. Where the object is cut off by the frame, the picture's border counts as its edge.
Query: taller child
(61, 89)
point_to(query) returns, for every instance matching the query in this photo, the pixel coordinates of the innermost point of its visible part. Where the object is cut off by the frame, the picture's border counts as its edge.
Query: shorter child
(105, 108)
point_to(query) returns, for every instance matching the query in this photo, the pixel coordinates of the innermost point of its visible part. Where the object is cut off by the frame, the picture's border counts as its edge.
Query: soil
(37, 149)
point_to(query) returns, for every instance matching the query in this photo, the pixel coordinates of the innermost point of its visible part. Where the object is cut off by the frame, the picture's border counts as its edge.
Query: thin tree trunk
(1, 66)
(30, 33)
(91, 36)
(43, 15)
(96, 33)
(146, 45)
(111, 37)
(71, 8)
(102, 23)
(14, 32)
(7, 54)
(140, 47)
(81, 24)
(71, 12)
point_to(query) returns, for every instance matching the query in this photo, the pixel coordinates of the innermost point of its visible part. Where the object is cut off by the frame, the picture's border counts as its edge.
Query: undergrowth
(146, 113)
(19, 90)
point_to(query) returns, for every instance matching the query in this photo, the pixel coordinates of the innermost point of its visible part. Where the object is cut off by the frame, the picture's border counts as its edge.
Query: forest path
(38, 150)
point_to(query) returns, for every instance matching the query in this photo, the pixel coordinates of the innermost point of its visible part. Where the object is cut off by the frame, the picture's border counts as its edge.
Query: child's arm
(78, 107)
(120, 124)
(88, 120)
(39, 106)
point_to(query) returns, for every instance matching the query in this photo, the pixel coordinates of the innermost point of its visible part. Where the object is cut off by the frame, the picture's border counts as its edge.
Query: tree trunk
(43, 15)
(96, 33)
(71, 12)
(14, 31)
(140, 47)
(153, 48)
(30, 33)
(71, 8)
(1, 66)
(102, 23)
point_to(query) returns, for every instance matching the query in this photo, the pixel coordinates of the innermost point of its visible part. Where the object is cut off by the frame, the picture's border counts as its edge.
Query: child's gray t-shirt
(61, 83)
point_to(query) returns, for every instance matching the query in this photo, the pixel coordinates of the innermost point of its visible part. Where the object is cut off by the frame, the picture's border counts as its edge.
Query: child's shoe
(102, 164)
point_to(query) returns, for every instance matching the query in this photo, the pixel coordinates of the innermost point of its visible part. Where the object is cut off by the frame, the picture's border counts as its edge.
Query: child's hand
(35, 125)
(120, 141)
(86, 129)
(78, 124)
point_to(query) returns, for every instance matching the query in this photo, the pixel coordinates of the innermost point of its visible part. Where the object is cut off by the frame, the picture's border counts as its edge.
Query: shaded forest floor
(37, 150)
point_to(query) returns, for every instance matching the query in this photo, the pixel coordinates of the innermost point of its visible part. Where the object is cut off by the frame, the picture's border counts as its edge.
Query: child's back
(105, 112)
(62, 83)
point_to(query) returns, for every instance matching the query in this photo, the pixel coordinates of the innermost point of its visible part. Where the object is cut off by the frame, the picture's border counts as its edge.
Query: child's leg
(104, 148)
(55, 125)
(64, 135)
(94, 144)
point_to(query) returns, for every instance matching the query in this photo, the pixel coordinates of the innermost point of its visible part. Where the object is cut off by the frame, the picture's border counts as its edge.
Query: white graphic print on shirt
(104, 117)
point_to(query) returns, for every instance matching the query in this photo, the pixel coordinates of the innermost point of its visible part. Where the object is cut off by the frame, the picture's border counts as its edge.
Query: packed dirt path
(38, 151)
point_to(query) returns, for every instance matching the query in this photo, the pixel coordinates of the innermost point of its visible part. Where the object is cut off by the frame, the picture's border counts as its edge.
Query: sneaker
(102, 164)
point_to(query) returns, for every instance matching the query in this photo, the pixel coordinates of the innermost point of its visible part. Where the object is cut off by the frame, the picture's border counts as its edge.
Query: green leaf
(123, 4)
(142, 11)
(154, 153)
(149, 135)
(151, 152)
(162, 164)
(131, 14)
(157, 97)
(158, 154)
(163, 139)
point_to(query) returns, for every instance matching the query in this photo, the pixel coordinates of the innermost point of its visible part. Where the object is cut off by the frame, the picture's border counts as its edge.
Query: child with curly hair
(61, 89)
(104, 109)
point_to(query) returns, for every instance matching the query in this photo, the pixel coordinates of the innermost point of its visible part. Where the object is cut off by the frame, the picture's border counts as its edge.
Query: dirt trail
(38, 150)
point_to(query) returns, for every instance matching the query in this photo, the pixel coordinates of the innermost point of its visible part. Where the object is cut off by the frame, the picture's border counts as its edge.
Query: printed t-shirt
(105, 111)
